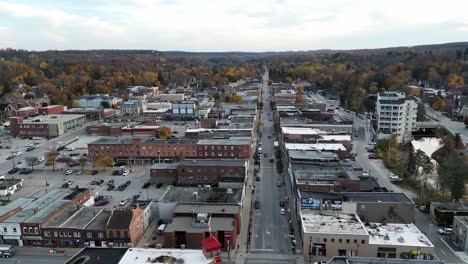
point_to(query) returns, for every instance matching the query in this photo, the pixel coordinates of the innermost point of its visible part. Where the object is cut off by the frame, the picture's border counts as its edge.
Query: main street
(269, 239)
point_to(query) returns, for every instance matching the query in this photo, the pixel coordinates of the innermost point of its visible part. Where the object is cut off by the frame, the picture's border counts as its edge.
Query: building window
(340, 240)
(355, 241)
(14, 230)
(100, 235)
(46, 233)
(5, 230)
(325, 240)
(363, 207)
(341, 252)
(333, 240)
(30, 230)
(363, 241)
(76, 234)
(347, 241)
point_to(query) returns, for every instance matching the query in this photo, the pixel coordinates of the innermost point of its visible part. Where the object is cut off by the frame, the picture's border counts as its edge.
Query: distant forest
(349, 74)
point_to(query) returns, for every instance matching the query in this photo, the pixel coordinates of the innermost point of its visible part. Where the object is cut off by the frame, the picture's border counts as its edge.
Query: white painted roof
(301, 131)
(336, 137)
(397, 235)
(141, 255)
(319, 146)
(331, 223)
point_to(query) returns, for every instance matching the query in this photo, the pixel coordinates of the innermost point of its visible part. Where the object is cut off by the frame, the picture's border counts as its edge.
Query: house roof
(120, 219)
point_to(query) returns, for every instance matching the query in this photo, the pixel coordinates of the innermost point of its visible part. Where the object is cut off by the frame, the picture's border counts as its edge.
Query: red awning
(211, 243)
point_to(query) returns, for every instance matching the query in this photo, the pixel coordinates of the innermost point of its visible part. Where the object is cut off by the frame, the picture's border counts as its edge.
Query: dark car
(122, 188)
(116, 172)
(25, 171)
(111, 182)
(257, 178)
(13, 170)
(118, 164)
(281, 203)
(65, 185)
(146, 185)
(101, 202)
(9, 157)
(279, 184)
(110, 188)
(30, 149)
(257, 204)
(373, 156)
(94, 172)
(159, 185)
(127, 183)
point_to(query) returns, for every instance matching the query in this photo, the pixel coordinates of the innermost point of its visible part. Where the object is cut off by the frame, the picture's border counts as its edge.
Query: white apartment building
(396, 114)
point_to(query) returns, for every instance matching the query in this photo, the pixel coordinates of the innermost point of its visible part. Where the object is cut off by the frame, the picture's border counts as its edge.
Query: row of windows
(117, 234)
(69, 234)
(5, 230)
(34, 126)
(340, 240)
(29, 230)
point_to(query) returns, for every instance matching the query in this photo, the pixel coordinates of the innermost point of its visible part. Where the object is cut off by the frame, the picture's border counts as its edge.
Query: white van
(160, 230)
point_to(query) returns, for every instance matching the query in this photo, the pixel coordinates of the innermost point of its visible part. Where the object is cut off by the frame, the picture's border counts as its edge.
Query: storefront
(34, 241)
(12, 240)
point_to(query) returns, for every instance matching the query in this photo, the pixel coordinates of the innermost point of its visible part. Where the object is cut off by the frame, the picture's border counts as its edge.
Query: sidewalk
(36, 251)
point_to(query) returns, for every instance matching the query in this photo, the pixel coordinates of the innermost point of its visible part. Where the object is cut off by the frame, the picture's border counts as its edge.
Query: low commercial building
(49, 126)
(199, 172)
(131, 107)
(442, 214)
(91, 113)
(374, 207)
(329, 234)
(364, 260)
(301, 134)
(10, 232)
(232, 148)
(184, 110)
(10, 186)
(165, 255)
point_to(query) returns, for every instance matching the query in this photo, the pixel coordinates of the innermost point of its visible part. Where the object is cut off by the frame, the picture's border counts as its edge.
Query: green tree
(105, 104)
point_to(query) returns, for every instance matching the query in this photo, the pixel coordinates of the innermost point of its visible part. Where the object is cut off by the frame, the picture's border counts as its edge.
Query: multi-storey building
(396, 114)
(51, 110)
(139, 150)
(96, 101)
(196, 172)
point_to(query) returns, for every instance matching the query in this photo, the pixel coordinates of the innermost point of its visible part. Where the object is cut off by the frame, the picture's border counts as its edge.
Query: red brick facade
(51, 110)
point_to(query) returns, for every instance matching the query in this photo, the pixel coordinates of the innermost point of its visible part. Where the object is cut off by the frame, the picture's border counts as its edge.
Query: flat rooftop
(313, 155)
(212, 163)
(331, 223)
(141, 255)
(51, 119)
(364, 260)
(91, 255)
(335, 137)
(207, 208)
(230, 141)
(79, 219)
(100, 222)
(317, 146)
(184, 223)
(301, 131)
(397, 235)
(114, 140)
(356, 197)
(450, 206)
(20, 202)
(214, 195)
(171, 141)
(37, 205)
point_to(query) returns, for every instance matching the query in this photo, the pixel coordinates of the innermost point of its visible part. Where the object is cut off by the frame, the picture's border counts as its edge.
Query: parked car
(65, 185)
(25, 171)
(127, 183)
(271, 159)
(445, 231)
(110, 182)
(281, 203)
(257, 204)
(159, 185)
(279, 184)
(373, 156)
(79, 172)
(393, 177)
(70, 182)
(13, 170)
(146, 185)
(282, 211)
(116, 172)
(94, 172)
(123, 202)
(68, 172)
(110, 188)
(101, 202)
(125, 173)
(136, 196)
(257, 178)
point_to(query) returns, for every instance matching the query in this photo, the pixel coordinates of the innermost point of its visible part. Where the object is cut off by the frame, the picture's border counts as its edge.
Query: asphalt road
(270, 231)
(452, 126)
(35, 259)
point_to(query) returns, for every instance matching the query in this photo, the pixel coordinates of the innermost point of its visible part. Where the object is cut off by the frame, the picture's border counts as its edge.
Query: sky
(235, 25)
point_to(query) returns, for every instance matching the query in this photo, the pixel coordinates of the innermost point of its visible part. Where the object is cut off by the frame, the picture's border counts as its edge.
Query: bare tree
(31, 161)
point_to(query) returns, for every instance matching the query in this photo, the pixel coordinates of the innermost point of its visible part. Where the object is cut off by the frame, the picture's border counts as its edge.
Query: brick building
(51, 110)
(125, 227)
(199, 172)
(91, 113)
(139, 150)
(45, 126)
(209, 122)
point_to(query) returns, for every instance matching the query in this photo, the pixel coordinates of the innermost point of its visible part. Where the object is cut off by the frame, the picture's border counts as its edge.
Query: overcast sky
(230, 25)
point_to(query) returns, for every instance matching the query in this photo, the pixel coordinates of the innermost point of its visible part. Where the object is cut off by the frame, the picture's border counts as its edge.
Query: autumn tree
(50, 158)
(455, 81)
(104, 162)
(438, 103)
(236, 98)
(164, 133)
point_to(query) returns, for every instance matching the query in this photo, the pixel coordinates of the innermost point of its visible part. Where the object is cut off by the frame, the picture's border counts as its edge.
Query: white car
(68, 172)
(393, 177)
(283, 212)
(123, 202)
(41, 159)
(79, 172)
(125, 173)
(18, 153)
